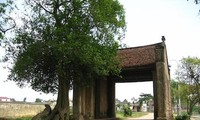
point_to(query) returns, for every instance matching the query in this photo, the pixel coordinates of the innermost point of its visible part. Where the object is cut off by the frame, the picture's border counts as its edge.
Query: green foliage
(70, 40)
(65, 43)
(145, 98)
(38, 100)
(179, 90)
(196, 109)
(174, 91)
(188, 73)
(127, 110)
(20, 118)
(24, 118)
(120, 115)
(179, 117)
(184, 116)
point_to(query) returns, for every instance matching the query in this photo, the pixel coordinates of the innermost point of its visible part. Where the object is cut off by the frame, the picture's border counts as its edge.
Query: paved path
(145, 117)
(150, 117)
(195, 117)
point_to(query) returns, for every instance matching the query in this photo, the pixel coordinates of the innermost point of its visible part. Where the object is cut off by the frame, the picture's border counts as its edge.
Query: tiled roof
(137, 56)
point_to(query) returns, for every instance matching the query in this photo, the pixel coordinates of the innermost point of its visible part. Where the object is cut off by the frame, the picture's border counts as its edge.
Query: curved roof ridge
(141, 46)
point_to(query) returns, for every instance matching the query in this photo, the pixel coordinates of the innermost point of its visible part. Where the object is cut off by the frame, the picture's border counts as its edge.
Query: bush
(179, 117)
(185, 116)
(127, 111)
(196, 109)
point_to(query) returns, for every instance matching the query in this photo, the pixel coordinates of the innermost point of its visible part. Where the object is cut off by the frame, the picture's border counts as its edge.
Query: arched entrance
(145, 63)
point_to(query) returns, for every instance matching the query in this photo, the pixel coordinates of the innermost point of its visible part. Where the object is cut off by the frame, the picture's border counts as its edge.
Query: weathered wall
(18, 109)
(163, 103)
(168, 95)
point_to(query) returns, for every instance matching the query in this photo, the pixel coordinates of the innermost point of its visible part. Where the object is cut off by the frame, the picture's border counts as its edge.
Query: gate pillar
(162, 85)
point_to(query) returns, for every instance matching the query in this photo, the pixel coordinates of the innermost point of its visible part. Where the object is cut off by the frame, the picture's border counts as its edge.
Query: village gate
(144, 63)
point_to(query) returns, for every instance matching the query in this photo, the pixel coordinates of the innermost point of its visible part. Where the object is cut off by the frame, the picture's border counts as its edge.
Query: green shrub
(127, 111)
(196, 109)
(179, 117)
(184, 116)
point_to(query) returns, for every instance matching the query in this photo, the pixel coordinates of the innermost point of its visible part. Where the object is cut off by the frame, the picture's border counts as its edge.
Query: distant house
(5, 99)
(136, 107)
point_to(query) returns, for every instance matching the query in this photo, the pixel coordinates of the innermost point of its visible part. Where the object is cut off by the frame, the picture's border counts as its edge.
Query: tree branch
(64, 2)
(13, 26)
(42, 7)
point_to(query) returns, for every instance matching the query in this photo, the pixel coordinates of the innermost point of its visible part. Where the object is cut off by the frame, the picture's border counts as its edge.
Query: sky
(147, 21)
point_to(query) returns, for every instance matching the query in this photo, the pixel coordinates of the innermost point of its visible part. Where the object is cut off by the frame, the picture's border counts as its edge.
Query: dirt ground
(150, 116)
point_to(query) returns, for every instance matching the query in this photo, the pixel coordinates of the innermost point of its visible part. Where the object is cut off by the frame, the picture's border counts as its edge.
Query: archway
(145, 63)
(138, 96)
(149, 63)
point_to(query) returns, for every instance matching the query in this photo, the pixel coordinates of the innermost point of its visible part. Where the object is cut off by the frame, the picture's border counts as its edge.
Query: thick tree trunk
(76, 102)
(61, 110)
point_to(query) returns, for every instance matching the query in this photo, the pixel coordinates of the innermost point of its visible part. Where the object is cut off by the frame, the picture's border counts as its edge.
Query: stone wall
(19, 109)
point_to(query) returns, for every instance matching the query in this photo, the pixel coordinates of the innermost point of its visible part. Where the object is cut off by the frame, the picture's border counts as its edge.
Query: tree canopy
(66, 36)
(145, 98)
(63, 42)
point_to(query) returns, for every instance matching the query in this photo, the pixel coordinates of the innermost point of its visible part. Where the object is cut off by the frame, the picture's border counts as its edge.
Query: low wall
(19, 109)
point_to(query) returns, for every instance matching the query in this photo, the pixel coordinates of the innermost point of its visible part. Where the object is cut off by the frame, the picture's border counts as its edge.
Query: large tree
(188, 72)
(66, 42)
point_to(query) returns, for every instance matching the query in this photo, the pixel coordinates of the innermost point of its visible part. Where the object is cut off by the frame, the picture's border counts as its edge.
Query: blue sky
(147, 21)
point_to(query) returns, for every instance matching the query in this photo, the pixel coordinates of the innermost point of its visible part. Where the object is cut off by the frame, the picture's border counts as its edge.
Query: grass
(21, 118)
(24, 118)
(121, 116)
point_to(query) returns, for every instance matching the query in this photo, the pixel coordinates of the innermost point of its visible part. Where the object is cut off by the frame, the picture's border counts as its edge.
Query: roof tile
(137, 56)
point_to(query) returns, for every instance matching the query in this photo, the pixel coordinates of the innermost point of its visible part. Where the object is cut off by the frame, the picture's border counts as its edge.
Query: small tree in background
(127, 110)
(24, 100)
(134, 100)
(174, 92)
(144, 98)
(38, 100)
(179, 95)
(188, 72)
(13, 100)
